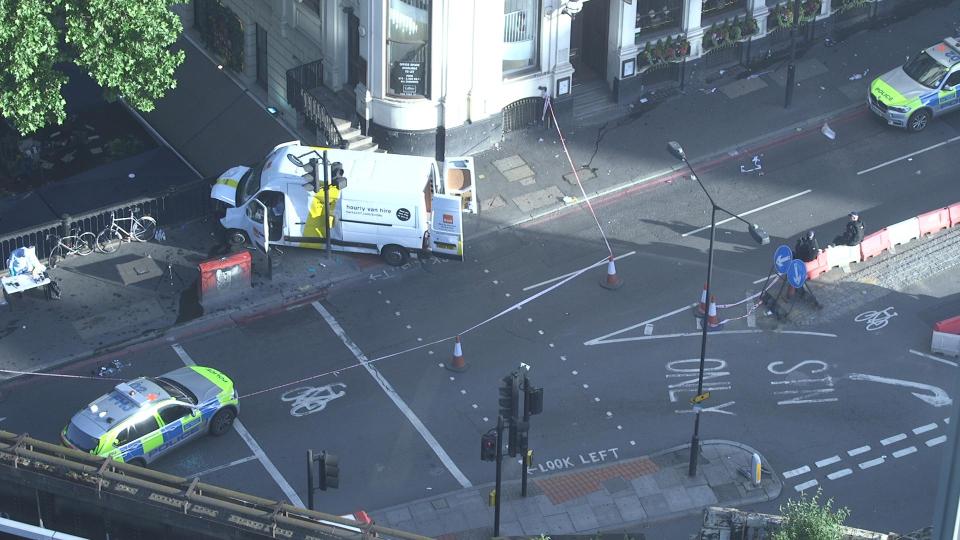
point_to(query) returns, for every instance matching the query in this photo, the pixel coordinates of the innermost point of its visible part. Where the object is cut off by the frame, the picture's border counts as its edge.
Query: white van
(391, 204)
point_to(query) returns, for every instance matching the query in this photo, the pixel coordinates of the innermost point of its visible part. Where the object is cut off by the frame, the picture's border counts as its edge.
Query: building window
(313, 6)
(261, 57)
(658, 15)
(716, 7)
(408, 48)
(521, 31)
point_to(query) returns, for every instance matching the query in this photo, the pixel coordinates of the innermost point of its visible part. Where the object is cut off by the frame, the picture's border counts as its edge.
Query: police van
(926, 86)
(386, 204)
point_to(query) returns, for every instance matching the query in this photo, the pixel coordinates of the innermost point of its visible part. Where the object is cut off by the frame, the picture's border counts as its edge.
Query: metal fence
(522, 113)
(662, 73)
(173, 205)
(723, 55)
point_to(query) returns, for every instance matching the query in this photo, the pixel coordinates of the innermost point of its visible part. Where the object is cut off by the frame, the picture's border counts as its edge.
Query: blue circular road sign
(781, 258)
(797, 273)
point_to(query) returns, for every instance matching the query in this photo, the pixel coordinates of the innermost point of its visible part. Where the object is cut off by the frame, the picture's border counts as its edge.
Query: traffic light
(534, 400)
(488, 447)
(329, 471)
(519, 434)
(337, 179)
(510, 397)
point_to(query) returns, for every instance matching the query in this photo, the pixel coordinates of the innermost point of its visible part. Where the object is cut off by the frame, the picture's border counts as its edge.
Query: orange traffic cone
(458, 363)
(712, 320)
(611, 281)
(702, 306)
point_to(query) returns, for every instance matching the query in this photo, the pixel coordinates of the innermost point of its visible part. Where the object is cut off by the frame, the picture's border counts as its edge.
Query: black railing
(303, 77)
(723, 55)
(522, 113)
(321, 121)
(173, 205)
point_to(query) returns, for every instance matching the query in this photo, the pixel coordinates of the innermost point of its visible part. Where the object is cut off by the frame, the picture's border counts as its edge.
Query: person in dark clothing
(807, 247)
(853, 234)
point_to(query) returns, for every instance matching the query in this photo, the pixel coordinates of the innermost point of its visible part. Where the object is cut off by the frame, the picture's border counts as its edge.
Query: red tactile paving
(570, 486)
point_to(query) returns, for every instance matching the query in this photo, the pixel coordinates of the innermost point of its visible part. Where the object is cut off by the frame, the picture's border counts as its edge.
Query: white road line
(930, 356)
(761, 280)
(683, 334)
(896, 438)
(805, 485)
(796, 472)
(597, 341)
(924, 429)
(252, 443)
(905, 452)
(839, 474)
(936, 440)
(394, 396)
(748, 212)
(858, 451)
(558, 278)
(871, 463)
(804, 333)
(911, 154)
(224, 466)
(829, 461)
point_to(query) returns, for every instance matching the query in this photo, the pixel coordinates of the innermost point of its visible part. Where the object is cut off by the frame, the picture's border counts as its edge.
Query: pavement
(520, 179)
(614, 497)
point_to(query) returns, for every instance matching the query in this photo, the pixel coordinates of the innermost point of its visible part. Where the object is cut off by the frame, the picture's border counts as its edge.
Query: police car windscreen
(176, 390)
(80, 438)
(924, 69)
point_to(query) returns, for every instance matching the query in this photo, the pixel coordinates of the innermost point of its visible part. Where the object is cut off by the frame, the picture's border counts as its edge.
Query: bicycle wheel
(109, 240)
(144, 230)
(865, 316)
(85, 243)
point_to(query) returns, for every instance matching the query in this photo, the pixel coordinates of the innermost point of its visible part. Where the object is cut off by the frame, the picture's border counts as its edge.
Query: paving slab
(538, 199)
(507, 163)
(743, 87)
(521, 172)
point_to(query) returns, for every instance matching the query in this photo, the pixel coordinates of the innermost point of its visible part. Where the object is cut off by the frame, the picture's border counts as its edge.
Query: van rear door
(459, 179)
(446, 227)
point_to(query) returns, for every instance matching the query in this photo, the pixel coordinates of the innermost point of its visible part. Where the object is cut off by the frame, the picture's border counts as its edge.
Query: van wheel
(139, 462)
(395, 255)
(236, 237)
(222, 422)
(919, 120)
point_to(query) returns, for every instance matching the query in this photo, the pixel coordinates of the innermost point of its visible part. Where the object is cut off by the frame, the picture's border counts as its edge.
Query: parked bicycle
(136, 229)
(76, 244)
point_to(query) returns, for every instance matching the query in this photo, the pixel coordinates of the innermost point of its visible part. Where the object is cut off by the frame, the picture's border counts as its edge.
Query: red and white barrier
(842, 256)
(903, 232)
(948, 326)
(817, 266)
(946, 337)
(935, 221)
(954, 211)
(874, 244)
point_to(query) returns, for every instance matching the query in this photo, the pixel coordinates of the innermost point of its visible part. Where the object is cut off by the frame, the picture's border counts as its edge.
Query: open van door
(459, 179)
(446, 227)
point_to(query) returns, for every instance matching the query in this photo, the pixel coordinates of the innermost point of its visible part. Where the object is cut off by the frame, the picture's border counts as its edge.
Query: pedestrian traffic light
(510, 397)
(488, 447)
(519, 433)
(329, 471)
(337, 179)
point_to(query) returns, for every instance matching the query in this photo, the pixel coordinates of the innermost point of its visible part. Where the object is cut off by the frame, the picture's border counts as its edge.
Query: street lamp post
(791, 67)
(760, 237)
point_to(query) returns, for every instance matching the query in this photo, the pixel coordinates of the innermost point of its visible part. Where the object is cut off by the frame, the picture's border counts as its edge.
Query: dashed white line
(839, 474)
(748, 212)
(805, 485)
(394, 396)
(905, 452)
(934, 358)
(936, 440)
(896, 438)
(858, 451)
(251, 443)
(829, 461)
(871, 463)
(796, 472)
(924, 429)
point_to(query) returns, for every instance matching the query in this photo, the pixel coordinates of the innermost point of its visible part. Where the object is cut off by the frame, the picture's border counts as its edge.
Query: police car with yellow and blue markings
(144, 418)
(926, 86)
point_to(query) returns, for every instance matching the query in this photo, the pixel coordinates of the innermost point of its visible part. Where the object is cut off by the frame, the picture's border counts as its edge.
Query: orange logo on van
(448, 219)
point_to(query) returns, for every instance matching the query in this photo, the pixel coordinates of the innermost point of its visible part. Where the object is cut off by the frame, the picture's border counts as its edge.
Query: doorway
(588, 41)
(356, 71)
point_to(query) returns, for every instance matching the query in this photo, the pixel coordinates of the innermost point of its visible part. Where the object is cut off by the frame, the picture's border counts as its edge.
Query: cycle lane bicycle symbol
(876, 319)
(310, 399)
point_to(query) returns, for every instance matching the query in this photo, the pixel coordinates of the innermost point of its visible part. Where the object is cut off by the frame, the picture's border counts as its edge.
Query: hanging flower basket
(663, 52)
(781, 16)
(847, 5)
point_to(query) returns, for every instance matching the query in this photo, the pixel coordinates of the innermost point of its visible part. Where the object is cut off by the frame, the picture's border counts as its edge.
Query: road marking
(804, 333)
(937, 397)
(558, 278)
(858, 451)
(251, 443)
(796, 472)
(829, 461)
(905, 452)
(932, 357)
(648, 330)
(715, 408)
(597, 341)
(748, 212)
(224, 466)
(871, 463)
(890, 440)
(839, 474)
(936, 440)
(805, 485)
(924, 429)
(911, 154)
(761, 280)
(394, 396)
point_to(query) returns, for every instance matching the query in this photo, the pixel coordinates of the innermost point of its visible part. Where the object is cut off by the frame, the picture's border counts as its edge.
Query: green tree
(807, 519)
(123, 44)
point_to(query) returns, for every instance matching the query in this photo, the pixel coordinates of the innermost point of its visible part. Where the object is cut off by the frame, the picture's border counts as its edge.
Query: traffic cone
(458, 363)
(611, 281)
(702, 306)
(712, 320)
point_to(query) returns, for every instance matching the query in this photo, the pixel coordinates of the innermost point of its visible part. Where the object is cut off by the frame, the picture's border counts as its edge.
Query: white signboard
(446, 227)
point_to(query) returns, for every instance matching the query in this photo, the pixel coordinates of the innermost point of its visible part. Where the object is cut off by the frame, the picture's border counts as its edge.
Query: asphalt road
(617, 366)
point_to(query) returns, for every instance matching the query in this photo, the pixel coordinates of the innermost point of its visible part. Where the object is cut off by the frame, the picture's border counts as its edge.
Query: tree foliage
(123, 44)
(807, 519)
